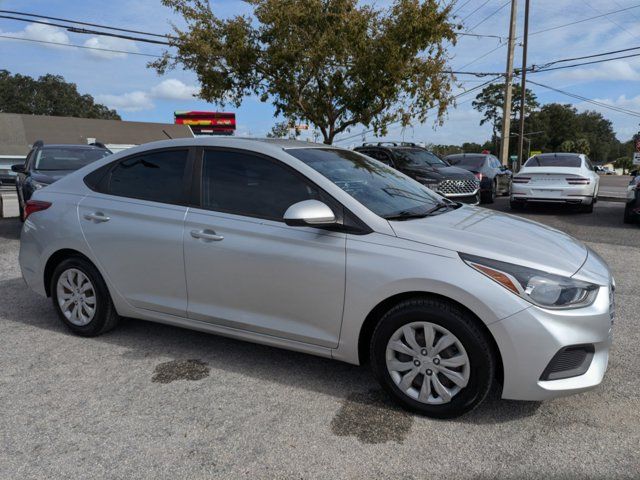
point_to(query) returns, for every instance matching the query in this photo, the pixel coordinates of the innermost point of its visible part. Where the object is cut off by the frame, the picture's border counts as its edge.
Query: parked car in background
(632, 207)
(603, 170)
(6, 161)
(326, 251)
(427, 168)
(47, 163)
(566, 178)
(495, 178)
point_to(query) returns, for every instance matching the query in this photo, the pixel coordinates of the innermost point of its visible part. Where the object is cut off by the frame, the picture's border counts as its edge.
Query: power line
(26, 14)
(609, 19)
(85, 31)
(586, 63)
(595, 55)
(463, 20)
(589, 100)
(80, 46)
(460, 7)
(584, 20)
(466, 92)
(490, 15)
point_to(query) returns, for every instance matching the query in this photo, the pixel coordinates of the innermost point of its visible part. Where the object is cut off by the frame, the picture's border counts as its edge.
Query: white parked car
(568, 178)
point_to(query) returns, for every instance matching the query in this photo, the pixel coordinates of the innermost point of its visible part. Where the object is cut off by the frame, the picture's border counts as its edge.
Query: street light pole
(523, 86)
(506, 109)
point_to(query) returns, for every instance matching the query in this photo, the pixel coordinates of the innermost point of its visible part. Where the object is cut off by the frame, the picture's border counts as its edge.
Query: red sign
(207, 123)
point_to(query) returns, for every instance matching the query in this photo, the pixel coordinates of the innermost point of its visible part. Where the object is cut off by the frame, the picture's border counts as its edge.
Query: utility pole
(506, 110)
(523, 86)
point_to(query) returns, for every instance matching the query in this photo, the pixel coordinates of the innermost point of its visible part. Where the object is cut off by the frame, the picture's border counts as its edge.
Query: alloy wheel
(427, 362)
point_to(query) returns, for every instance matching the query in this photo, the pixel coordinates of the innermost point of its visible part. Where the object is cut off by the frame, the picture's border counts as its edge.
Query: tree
(48, 95)
(281, 130)
(625, 163)
(582, 146)
(490, 102)
(332, 63)
(567, 146)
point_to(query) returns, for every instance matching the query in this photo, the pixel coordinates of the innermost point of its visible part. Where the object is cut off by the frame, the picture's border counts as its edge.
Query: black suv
(47, 163)
(427, 168)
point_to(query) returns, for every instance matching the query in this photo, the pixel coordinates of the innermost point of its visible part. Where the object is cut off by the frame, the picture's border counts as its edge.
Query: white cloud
(169, 89)
(173, 89)
(109, 43)
(129, 102)
(42, 33)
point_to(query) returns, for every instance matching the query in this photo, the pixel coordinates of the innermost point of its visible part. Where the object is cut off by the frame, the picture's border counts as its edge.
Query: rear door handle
(97, 217)
(206, 235)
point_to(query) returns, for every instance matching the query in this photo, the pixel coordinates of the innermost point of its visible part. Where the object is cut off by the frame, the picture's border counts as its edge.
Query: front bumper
(578, 194)
(530, 339)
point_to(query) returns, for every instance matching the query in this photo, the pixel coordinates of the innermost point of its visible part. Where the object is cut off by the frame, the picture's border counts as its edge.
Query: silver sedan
(325, 251)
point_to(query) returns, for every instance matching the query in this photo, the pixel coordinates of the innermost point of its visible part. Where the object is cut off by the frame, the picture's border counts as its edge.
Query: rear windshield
(554, 161)
(61, 158)
(475, 161)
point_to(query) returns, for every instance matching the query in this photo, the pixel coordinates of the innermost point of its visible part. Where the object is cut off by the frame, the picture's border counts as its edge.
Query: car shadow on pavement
(143, 341)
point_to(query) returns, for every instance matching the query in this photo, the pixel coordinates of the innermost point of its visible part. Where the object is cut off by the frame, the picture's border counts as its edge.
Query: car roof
(71, 145)
(559, 154)
(469, 155)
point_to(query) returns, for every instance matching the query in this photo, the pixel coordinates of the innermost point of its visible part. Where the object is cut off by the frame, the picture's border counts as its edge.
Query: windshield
(475, 161)
(416, 157)
(554, 161)
(382, 189)
(61, 158)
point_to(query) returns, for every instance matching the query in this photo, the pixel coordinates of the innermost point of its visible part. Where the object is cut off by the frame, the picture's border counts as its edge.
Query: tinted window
(416, 157)
(247, 184)
(380, 156)
(468, 161)
(573, 161)
(155, 176)
(61, 158)
(381, 189)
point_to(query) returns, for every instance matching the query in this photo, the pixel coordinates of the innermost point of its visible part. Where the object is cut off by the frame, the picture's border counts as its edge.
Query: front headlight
(540, 288)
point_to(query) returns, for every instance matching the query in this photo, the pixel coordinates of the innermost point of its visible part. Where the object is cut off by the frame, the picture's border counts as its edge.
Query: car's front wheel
(81, 298)
(431, 356)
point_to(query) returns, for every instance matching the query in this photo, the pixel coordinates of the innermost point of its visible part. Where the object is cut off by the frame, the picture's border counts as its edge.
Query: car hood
(441, 173)
(49, 176)
(491, 234)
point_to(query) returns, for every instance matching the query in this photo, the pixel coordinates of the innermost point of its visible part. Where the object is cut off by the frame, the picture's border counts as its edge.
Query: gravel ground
(152, 401)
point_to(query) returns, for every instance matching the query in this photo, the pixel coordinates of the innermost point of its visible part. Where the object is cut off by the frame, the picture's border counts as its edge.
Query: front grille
(457, 187)
(569, 362)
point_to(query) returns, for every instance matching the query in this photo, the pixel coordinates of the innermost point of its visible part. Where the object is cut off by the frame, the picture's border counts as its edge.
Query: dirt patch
(372, 418)
(168, 372)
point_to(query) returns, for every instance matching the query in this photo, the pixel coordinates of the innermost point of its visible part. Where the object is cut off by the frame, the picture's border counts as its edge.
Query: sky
(124, 82)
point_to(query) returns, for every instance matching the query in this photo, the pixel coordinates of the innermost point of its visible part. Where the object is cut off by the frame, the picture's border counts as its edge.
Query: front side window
(250, 185)
(61, 158)
(153, 176)
(382, 189)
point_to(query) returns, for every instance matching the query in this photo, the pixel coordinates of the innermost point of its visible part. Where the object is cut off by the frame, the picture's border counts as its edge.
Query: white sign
(636, 158)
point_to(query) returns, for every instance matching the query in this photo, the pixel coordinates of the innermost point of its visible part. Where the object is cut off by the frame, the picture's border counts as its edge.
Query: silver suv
(325, 251)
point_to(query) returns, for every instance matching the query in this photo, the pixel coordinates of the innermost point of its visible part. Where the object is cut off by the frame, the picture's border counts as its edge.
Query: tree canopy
(332, 63)
(48, 95)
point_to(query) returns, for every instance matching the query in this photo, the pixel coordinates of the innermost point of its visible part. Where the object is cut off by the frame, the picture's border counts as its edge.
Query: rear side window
(154, 176)
(245, 184)
(573, 161)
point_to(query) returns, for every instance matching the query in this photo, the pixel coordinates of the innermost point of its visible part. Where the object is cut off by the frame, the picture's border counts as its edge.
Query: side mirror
(309, 213)
(17, 168)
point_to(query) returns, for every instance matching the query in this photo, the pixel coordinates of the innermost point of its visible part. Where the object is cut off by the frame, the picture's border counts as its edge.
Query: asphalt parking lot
(152, 401)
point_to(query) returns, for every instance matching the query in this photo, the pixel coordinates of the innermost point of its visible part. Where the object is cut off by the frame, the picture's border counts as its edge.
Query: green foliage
(281, 130)
(48, 95)
(444, 150)
(332, 63)
(625, 163)
(490, 102)
(567, 146)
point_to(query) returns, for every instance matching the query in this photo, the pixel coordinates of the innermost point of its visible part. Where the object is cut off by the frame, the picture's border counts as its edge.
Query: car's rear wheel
(432, 358)
(81, 298)
(490, 196)
(516, 205)
(587, 208)
(628, 214)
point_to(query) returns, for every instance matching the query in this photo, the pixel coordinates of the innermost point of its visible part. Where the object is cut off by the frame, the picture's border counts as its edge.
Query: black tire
(628, 214)
(515, 205)
(490, 196)
(587, 208)
(482, 362)
(20, 206)
(105, 317)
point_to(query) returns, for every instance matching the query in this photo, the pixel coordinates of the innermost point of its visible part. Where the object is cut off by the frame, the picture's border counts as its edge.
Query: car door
(246, 268)
(133, 223)
(500, 175)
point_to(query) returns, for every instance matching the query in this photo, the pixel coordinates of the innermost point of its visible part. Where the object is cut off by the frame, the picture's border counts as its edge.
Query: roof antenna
(165, 132)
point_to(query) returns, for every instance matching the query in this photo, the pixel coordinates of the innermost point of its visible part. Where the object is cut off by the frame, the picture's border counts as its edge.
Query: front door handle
(97, 217)
(206, 235)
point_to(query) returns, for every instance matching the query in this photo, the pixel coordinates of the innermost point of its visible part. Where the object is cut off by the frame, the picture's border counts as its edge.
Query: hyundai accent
(325, 251)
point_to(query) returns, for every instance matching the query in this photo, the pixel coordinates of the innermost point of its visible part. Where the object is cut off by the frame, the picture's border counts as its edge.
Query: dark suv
(47, 163)
(427, 168)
